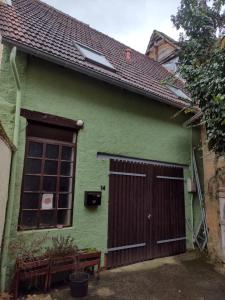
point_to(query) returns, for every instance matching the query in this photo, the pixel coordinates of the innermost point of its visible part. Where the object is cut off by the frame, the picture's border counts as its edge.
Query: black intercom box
(92, 198)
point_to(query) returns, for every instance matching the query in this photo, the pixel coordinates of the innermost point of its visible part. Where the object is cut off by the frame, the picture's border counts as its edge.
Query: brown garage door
(146, 212)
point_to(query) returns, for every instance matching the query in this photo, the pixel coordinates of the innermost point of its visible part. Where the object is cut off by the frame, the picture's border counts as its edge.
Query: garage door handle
(149, 216)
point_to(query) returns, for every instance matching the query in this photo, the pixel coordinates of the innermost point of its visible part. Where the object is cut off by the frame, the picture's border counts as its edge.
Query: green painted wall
(116, 121)
(8, 90)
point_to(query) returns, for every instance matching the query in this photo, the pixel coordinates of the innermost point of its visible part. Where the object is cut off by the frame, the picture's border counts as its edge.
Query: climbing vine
(202, 63)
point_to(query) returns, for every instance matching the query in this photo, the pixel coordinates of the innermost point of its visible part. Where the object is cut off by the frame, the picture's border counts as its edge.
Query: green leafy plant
(202, 63)
(62, 246)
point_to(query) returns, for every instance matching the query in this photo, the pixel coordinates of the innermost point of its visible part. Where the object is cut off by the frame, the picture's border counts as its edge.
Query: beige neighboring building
(6, 149)
(214, 172)
(163, 49)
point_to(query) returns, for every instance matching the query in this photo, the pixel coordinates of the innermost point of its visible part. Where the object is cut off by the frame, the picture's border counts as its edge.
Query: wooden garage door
(146, 212)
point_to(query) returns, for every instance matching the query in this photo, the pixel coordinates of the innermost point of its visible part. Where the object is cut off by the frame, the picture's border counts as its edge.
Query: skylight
(178, 92)
(94, 56)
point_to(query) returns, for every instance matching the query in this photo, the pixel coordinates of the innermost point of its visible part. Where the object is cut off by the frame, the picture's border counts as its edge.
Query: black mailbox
(92, 198)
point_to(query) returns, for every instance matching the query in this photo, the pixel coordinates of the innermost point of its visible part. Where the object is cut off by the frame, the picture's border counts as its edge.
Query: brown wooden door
(140, 222)
(168, 212)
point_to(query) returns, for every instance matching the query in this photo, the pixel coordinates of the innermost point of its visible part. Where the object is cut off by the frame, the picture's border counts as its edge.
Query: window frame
(178, 92)
(43, 158)
(109, 65)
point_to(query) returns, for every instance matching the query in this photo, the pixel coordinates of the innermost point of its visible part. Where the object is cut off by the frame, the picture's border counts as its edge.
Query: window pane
(51, 167)
(65, 184)
(94, 56)
(32, 183)
(67, 153)
(30, 200)
(52, 151)
(65, 201)
(33, 166)
(29, 219)
(64, 217)
(35, 149)
(66, 168)
(47, 218)
(49, 184)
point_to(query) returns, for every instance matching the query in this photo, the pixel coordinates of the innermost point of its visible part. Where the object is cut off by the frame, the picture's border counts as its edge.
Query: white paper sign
(47, 201)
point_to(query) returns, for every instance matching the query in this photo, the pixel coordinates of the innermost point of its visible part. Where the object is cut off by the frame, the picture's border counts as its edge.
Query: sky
(129, 21)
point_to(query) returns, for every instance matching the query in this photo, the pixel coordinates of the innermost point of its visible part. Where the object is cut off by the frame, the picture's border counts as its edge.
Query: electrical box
(191, 186)
(92, 199)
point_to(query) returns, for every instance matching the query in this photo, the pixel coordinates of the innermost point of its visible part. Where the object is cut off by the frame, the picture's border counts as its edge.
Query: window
(178, 92)
(94, 56)
(48, 178)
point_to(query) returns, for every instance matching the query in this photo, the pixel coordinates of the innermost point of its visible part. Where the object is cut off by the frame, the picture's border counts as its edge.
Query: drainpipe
(11, 195)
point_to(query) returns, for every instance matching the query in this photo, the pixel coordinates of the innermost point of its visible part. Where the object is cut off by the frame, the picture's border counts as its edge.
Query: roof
(39, 29)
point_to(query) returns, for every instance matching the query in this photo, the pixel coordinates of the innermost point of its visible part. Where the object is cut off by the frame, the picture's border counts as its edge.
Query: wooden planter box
(47, 267)
(30, 269)
(60, 264)
(89, 259)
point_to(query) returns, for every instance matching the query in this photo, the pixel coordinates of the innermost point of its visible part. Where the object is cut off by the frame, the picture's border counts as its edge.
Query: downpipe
(11, 194)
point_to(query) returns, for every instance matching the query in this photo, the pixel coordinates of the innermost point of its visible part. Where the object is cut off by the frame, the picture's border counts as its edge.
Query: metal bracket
(172, 240)
(127, 174)
(169, 177)
(126, 247)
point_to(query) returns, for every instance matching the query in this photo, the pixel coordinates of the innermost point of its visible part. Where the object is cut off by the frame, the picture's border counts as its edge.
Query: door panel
(145, 210)
(128, 211)
(168, 212)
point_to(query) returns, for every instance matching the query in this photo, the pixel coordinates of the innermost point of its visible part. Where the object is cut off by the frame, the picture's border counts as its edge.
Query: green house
(101, 152)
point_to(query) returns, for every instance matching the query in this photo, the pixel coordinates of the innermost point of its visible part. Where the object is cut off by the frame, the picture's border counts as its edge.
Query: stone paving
(181, 277)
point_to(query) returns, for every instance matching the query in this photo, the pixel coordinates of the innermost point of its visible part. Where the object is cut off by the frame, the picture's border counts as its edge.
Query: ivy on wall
(202, 63)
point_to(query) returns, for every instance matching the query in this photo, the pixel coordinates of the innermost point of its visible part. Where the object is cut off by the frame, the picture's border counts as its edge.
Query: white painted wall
(5, 161)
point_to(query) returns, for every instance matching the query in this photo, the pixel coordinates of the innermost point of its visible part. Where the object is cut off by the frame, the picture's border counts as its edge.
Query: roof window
(179, 93)
(94, 56)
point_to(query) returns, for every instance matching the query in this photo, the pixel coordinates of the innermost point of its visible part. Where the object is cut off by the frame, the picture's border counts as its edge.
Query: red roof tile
(44, 30)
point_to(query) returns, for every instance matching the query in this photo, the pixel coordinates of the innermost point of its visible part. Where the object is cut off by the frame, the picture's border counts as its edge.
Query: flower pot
(79, 284)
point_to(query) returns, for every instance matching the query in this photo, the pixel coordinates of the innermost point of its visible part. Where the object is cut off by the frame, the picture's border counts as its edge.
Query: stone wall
(212, 187)
(222, 220)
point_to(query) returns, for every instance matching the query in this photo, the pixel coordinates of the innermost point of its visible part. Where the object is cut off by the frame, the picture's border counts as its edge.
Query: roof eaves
(171, 56)
(95, 74)
(196, 117)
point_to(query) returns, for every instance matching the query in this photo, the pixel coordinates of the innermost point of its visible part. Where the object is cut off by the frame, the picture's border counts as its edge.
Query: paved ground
(182, 277)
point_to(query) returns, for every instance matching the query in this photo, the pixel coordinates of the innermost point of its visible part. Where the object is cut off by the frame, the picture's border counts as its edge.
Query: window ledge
(29, 231)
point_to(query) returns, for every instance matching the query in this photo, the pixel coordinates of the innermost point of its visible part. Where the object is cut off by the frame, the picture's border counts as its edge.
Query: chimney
(128, 55)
